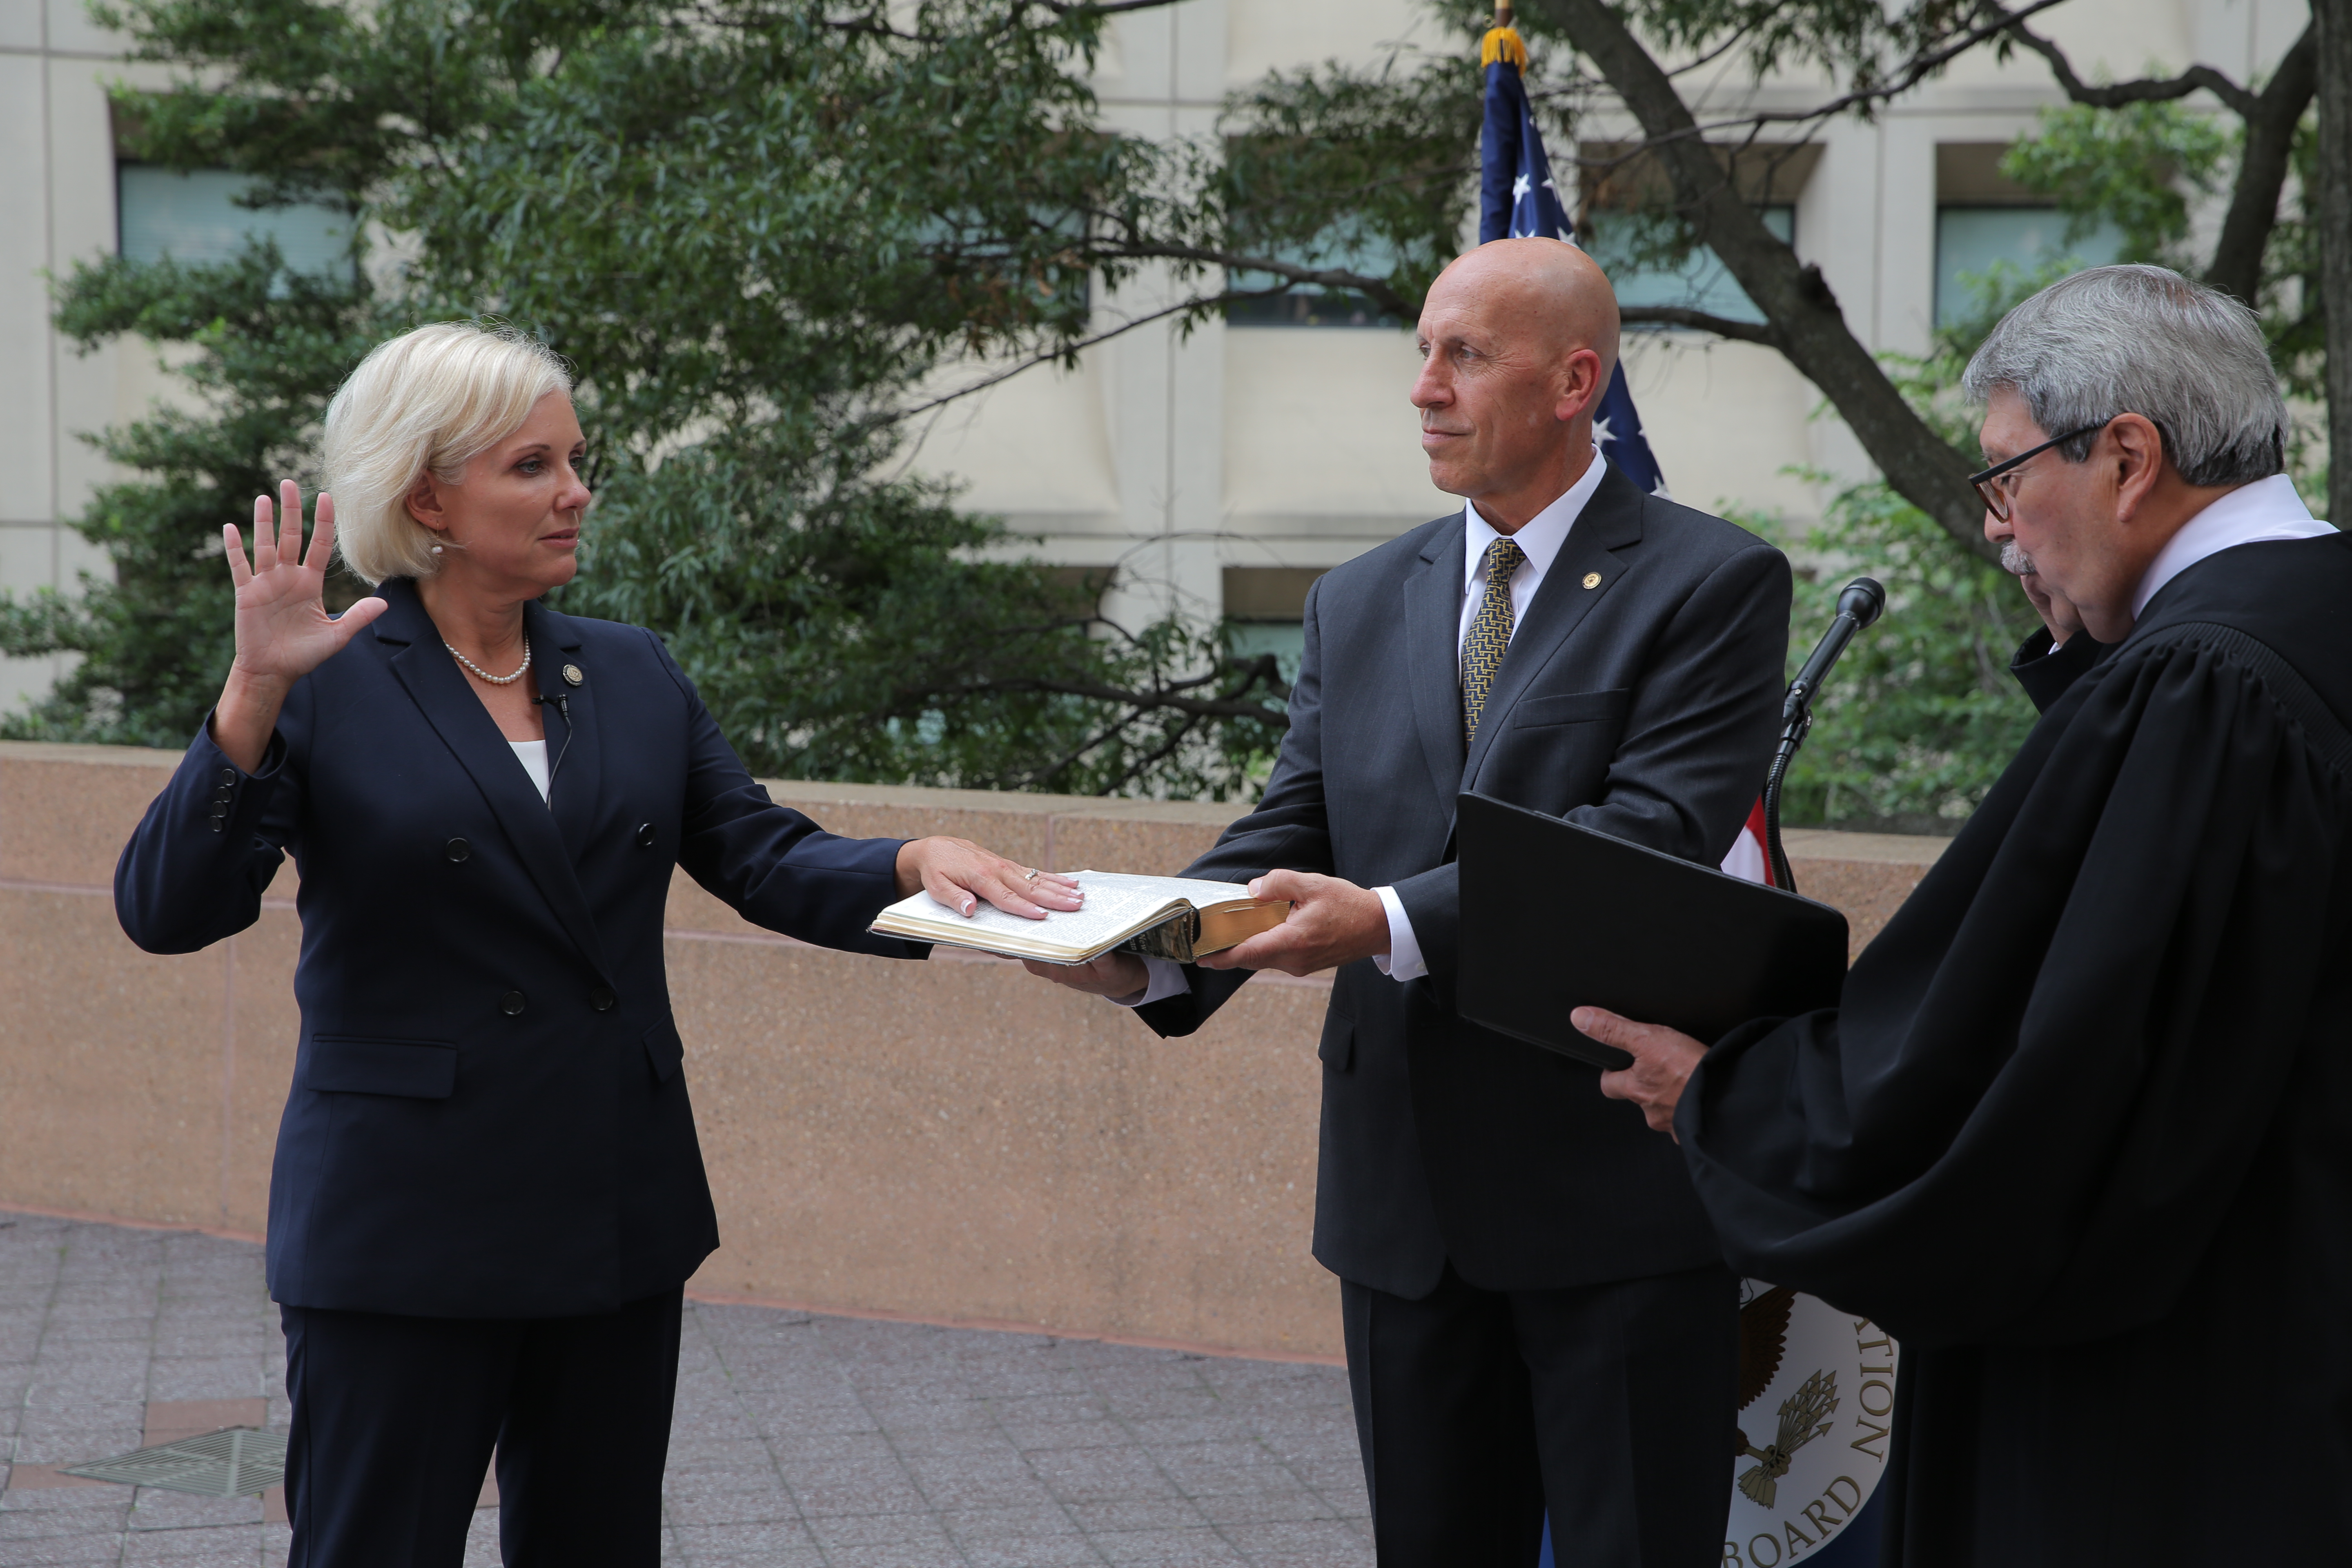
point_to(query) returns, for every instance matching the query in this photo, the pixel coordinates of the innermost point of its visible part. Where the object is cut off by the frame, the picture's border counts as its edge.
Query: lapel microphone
(561, 702)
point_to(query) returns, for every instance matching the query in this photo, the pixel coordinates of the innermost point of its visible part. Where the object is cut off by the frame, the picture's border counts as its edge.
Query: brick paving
(801, 1441)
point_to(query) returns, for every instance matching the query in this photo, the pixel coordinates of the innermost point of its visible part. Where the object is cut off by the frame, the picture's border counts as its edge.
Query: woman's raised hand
(283, 630)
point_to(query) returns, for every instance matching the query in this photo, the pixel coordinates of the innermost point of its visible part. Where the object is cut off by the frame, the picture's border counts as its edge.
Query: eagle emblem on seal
(1804, 1414)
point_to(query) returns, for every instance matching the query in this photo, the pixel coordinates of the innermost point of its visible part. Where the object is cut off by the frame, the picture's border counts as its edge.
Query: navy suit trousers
(395, 1418)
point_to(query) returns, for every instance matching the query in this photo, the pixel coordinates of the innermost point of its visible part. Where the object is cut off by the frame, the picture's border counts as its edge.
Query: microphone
(561, 702)
(1858, 606)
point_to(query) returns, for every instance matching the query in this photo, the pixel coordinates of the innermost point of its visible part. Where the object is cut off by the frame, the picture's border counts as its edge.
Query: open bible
(1157, 917)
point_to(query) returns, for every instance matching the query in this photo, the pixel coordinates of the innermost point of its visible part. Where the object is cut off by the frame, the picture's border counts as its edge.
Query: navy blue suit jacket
(488, 1118)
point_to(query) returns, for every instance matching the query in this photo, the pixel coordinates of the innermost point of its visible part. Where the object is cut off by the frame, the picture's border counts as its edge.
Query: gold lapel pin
(1591, 580)
(572, 676)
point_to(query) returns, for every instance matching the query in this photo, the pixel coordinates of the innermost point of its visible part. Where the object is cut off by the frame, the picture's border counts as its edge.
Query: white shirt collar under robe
(2260, 513)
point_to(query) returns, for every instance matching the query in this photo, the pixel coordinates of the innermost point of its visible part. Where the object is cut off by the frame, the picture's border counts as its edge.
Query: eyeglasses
(1988, 483)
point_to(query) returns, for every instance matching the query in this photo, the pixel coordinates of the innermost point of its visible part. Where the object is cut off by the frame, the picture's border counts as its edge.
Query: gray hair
(2145, 340)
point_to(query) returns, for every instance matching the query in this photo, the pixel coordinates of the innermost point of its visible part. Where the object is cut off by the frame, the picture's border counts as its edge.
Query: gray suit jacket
(1644, 706)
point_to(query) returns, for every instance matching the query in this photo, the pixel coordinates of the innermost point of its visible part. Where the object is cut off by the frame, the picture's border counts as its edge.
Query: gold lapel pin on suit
(572, 676)
(1591, 580)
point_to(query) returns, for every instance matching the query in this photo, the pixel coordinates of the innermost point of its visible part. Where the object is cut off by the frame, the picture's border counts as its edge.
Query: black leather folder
(1556, 917)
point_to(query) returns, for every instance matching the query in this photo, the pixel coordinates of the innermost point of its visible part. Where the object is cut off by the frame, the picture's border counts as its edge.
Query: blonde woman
(487, 1193)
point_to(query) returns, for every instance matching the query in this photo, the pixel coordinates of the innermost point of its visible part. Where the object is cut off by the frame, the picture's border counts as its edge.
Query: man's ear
(2139, 458)
(1580, 385)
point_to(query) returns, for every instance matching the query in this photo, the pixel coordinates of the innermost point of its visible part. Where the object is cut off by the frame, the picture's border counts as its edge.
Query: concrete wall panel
(947, 1140)
(111, 1081)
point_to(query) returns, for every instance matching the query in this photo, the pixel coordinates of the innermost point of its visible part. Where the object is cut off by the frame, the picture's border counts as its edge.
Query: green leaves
(1922, 714)
(2137, 167)
(754, 228)
(156, 640)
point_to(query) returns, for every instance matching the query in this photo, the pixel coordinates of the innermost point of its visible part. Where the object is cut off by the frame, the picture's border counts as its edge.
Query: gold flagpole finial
(1502, 42)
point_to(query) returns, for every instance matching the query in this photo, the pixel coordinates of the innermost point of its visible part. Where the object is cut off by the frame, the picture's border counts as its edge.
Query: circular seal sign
(1816, 1410)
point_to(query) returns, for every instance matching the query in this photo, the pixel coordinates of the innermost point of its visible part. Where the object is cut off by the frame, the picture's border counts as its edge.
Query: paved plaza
(800, 1440)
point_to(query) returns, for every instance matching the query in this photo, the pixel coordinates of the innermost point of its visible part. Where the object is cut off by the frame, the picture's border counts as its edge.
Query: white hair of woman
(431, 400)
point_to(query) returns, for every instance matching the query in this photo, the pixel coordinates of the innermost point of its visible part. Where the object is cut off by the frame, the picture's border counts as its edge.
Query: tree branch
(1803, 318)
(2237, 266)
(1104, 7)
(1916, 69)
(1377, 288)
(2114, 95)
(2330, 204)
(1697, 321)
(1045, 356)
(867, 26)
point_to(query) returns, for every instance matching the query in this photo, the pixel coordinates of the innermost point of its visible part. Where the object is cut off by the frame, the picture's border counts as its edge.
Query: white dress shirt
(1539, 541)
(2260, 513)
(532, 755)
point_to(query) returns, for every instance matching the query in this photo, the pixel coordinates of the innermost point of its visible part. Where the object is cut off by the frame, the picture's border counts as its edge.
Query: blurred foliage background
(759, 228)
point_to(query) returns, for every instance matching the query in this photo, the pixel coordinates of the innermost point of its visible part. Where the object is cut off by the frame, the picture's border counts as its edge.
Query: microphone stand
(1858, 606)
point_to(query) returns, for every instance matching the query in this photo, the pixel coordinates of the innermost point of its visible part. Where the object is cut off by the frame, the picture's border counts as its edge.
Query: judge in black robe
(2080, 1134)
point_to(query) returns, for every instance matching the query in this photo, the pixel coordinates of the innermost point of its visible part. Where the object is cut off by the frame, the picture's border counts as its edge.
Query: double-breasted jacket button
(457, 849)
(511, 1004)
(601, 998)
(645, 836)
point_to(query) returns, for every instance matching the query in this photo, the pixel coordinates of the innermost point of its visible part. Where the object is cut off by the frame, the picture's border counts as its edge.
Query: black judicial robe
(2081, 1133)
(2046, 673)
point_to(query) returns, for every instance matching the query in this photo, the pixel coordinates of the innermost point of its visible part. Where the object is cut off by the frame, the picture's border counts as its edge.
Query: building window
(1975, 244)
(1265, 611)
(1700, 283)
(1991, 230)
(193, 217)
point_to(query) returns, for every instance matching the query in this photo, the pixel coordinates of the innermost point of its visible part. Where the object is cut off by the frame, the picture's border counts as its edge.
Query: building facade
(1218, 470)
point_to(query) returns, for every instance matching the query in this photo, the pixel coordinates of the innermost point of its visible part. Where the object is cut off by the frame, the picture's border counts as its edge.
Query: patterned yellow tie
(1490, 634)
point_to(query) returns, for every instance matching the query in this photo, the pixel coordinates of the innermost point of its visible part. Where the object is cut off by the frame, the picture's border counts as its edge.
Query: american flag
(1517, 200)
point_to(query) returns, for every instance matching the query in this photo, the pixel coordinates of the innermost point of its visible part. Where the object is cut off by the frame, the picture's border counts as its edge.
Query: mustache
(2015, 561)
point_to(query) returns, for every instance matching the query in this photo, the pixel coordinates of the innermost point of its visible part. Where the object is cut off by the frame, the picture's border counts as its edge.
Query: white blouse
(532, 755)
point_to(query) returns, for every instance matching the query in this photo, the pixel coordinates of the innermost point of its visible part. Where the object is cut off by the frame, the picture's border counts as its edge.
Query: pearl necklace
(486, 675)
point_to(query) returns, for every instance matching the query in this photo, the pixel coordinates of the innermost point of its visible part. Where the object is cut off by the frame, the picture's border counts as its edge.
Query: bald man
(1536, 1313)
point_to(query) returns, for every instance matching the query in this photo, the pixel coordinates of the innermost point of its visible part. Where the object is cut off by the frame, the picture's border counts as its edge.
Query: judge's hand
(2061, 617)
(2057, 613)
(1331, 922)
(1113, 974)
(283, 630)
(959, 873)
(1662, 1061)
